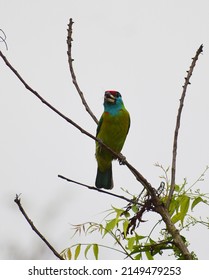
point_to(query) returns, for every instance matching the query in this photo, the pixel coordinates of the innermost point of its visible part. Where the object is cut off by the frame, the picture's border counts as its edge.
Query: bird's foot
(122, 159)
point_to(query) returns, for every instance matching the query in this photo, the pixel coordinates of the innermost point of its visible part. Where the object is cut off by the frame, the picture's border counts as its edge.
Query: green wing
(99, 125)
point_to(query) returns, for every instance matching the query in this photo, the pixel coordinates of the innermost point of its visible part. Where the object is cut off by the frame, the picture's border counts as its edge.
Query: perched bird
(112, 129)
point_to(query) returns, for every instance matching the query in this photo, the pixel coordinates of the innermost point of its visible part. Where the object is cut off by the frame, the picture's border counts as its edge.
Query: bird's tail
(104, 179)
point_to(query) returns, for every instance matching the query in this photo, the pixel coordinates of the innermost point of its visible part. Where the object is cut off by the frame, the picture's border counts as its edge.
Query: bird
(112, 130)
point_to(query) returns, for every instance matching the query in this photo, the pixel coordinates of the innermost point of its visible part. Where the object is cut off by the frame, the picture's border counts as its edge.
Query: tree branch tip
(17, 198)
(70, 22)
(201, 48)
(62, 177)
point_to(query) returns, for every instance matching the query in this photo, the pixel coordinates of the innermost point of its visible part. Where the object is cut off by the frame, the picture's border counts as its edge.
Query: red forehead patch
(113, 92)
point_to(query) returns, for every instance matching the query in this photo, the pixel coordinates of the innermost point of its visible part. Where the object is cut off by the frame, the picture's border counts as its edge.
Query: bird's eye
(118, 94)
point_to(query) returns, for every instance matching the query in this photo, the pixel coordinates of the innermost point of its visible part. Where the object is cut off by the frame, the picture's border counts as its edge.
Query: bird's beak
(108, 97)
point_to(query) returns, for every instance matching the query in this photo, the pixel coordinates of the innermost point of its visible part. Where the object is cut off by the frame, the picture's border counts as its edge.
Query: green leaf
(184, 206)
(110, 226)
(125, 226)
(138, 257)
(196, 201)
(177, 188)
(118, 211)
(139, 237)
(134, 208)
(86, 250)
(174, 206)
(77, 251)
(149, 256)
(69, 254)
(131, 243)
(152, 241)
(176, 218)
(66, 254)
(96, 251)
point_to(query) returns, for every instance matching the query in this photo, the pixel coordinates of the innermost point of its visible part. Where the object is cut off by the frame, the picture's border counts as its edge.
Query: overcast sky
(142, 49)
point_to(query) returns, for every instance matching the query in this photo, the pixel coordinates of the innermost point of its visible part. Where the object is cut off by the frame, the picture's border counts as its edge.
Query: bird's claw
(122, 159)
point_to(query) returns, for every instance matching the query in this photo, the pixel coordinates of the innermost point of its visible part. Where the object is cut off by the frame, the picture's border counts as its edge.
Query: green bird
(112, 129)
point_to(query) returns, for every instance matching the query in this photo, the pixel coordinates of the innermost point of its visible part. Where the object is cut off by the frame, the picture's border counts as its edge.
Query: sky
(141, 48)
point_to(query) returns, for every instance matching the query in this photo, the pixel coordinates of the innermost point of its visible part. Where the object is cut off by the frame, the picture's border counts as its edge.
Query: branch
(178, 120)
(120, 157)
(17, 201)
(159, 207)
(70, 62)
(3, 38)
(98, 190)
(42, 99)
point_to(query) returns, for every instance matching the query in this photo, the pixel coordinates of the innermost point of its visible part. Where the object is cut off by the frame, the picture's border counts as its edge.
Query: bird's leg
(122, 159)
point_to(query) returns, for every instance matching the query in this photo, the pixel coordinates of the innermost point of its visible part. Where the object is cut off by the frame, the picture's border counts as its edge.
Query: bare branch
(98, 190)
(178, 120)
(42, 99)
(74, 80)
(159, 207)
(120, 157)
(17, 201)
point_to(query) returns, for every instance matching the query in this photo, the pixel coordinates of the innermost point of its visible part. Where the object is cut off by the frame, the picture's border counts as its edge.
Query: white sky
(142, 49)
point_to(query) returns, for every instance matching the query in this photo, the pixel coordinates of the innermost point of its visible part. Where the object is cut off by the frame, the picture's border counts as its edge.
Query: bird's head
(112, 97)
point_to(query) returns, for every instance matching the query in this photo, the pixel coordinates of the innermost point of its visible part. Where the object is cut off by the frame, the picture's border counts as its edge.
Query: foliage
(125, 225)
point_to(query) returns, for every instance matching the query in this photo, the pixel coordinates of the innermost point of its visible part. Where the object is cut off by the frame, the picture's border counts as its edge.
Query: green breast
(113, 130)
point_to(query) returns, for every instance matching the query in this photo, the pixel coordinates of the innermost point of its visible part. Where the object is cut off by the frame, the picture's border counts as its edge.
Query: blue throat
(113, 109)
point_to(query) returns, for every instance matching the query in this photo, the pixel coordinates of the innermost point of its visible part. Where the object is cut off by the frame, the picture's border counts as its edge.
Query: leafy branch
(125, 225)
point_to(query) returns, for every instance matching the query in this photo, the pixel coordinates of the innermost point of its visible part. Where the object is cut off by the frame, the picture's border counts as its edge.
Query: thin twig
(178, 121)
(3, 39)
(17, 201)
(199, 179)
(74, 80)
(99, 190)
